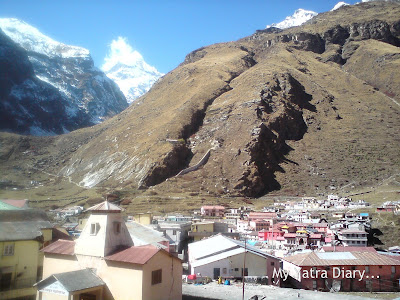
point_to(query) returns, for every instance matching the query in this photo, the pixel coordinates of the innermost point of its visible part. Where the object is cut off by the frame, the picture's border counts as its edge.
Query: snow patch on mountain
(33, 40)
(299, 17)
(129, 70)
(339, 5)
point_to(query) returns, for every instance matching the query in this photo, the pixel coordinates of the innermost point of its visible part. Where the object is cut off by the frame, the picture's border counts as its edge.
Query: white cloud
(121, 52)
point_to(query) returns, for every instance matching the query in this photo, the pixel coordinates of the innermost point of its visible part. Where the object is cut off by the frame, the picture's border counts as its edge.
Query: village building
(343, 271)
(112, 266)
(212, 211)
(23, 232)
(177, 234)
(353, 237)
(222, 256)
(200, 230)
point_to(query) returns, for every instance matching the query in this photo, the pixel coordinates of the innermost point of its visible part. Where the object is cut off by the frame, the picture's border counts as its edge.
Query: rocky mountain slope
(306, 110)
(59, 90)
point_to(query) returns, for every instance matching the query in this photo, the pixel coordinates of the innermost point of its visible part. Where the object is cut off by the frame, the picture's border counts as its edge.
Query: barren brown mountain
(293, 112)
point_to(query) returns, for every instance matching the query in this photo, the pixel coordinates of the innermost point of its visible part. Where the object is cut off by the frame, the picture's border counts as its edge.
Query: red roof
(135, 254)
(15, 203)
(315, 236)
(262, 215)
(289, 235)
(315, 225)
(212, 207)
(61, 247)
(348, 249)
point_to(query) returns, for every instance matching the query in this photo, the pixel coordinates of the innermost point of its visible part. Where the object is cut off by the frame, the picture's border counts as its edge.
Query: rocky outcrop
(280, 110)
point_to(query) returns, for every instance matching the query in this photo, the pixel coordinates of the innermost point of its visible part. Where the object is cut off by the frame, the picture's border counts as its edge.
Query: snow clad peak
(299, 17)
(128, 69)
(121, 53)
(31, 39)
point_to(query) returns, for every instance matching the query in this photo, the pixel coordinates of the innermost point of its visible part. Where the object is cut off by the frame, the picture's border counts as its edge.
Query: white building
(221, 256)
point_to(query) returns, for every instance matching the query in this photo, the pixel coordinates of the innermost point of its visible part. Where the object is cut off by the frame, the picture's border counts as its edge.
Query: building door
(87, 297)
(5, 281)
(217, 273)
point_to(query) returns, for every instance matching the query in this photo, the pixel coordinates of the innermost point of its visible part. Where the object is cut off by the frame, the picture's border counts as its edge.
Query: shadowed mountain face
(303, 110)
(48, 87)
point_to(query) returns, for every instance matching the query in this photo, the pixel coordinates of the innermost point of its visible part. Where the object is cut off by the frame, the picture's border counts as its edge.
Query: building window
(224, 270)
(8, 250)
(366, 269)
(393, 269)
(236, 269)
(272, 263)
(94, 228)
(314, 284)
(156, 277)
(117, 227)
(173, 232)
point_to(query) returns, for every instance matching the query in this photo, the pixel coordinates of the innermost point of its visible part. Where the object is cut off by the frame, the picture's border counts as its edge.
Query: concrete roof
(22, 224)
(143, 235)
(341, 259)
(74, 281)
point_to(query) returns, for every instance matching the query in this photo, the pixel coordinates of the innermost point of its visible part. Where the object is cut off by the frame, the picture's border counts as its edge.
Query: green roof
(5, 206)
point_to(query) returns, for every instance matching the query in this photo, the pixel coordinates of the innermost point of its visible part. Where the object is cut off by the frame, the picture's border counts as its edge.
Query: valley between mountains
(300, 111)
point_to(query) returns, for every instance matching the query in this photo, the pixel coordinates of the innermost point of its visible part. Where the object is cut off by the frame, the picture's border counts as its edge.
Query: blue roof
(364, 214)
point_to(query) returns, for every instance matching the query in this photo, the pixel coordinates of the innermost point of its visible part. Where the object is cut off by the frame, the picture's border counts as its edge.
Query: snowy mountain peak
(299, 17)
(339, 5)
(31, 39)
(129, 70)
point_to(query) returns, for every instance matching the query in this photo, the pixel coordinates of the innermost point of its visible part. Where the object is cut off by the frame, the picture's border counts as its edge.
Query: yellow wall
(171, 278)
(54, 264)
(124, 281)
(47, 234)
(24, 264)
(198, 227)
(144, 219)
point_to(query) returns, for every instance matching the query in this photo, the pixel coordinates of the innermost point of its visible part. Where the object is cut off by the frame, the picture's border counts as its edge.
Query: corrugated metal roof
(217, 257)
(106, 207)
(61, 247)
(348, 249)
(134, 255)
(335, 255)
(342, 259)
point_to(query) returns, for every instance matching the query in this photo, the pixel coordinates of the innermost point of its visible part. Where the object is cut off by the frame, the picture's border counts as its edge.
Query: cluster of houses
(333, 202)
(147, 257)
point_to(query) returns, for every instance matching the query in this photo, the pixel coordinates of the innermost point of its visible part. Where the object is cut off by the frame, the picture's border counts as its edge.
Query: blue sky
(162, 31)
